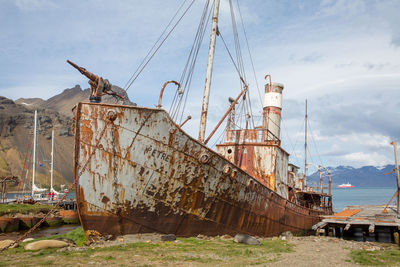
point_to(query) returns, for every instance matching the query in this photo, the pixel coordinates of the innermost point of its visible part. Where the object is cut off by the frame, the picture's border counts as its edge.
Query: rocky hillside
(16, 128)
(65, 101)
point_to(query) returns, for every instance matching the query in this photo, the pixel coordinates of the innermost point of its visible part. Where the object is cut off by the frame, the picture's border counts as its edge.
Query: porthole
(234, 174)
(204, 158)
(227, 169)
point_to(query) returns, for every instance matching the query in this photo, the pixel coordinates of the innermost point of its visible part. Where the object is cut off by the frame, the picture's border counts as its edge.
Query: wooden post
(321, 186)
(396, 168)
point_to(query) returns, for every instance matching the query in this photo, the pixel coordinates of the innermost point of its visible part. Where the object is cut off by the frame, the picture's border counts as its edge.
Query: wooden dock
(368, 218)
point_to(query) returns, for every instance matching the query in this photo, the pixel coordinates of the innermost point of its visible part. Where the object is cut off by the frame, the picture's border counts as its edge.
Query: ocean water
(343, 197)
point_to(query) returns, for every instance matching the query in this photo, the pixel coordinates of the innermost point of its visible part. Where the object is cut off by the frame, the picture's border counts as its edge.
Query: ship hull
(136, 171)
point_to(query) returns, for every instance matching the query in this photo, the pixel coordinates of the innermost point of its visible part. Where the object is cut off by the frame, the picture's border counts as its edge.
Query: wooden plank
(347, 212)
(319, 225)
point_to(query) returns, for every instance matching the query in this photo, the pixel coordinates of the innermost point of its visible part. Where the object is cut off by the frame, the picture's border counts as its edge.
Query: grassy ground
(75, 235)
(10, 209)
(200, 252)
(376, 258)
(185, 251)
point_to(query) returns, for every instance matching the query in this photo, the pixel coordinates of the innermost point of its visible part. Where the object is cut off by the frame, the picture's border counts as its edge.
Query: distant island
(367, 176)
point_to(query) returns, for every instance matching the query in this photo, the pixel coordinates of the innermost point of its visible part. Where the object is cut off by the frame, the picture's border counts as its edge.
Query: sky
(342, 56)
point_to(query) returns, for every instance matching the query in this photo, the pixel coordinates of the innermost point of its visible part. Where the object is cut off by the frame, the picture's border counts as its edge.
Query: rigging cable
(141, 68)
(187, 73)
(315, 144)
(239, 59)
(230, 55)
(151, 49)
(250, 56)
(23, 167)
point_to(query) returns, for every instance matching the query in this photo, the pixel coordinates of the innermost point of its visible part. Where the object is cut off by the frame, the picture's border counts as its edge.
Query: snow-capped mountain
(367, 176)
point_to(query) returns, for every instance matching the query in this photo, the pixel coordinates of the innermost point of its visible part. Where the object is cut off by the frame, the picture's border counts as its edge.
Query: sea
(343, 197)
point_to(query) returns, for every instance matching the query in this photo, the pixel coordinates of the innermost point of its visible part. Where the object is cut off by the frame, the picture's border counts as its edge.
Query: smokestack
(272, 110)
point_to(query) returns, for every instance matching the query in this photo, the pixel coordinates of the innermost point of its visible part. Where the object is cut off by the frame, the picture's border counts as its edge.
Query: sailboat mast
(396, 169)
(52, 161)
(305, 150)
(213, 37)
(34, 154)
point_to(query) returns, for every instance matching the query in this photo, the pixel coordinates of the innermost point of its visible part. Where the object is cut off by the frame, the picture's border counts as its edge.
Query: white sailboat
(53, 193)
(37, 192)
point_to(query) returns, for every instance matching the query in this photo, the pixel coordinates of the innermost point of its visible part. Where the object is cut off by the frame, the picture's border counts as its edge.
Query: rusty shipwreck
(136, 170)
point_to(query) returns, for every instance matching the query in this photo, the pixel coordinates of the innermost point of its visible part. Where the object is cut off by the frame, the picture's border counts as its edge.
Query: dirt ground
(324, 251)
(149, 250)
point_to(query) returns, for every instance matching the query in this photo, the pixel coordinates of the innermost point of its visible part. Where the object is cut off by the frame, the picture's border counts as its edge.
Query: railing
(259, 135)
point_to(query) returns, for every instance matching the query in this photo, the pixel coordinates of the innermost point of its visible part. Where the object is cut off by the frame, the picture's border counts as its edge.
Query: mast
(305, 150)
(34, 154)
(204, 110)
(52, 161)
(396, 168)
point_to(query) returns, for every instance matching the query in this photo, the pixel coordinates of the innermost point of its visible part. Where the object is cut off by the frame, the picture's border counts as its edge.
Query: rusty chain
(18, 240)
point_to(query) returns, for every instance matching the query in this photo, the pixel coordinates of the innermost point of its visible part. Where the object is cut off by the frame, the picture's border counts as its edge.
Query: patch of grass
(276, 246)
(376, 258)
(10, 209)
(48, 262)
(77, 235)
(44, 252)
(108, 258)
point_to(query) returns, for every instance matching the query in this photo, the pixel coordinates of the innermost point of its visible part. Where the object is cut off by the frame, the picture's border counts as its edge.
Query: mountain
(16, 128)
(367, 176)
(64, 102)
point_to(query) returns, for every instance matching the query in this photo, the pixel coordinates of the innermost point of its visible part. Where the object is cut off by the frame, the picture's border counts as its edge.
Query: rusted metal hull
(137, 171)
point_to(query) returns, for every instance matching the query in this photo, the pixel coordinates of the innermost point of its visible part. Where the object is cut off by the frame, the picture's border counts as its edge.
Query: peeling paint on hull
(137, 172)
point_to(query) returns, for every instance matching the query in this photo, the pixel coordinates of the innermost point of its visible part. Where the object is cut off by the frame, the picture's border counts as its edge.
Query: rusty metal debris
(187, 119)
(98, 85)
(3, 185)
(162, 91)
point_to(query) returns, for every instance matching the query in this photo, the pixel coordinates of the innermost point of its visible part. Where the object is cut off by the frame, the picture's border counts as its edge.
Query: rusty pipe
(162, 91)
(330, 179)
(270, 81)
(188, 118)
(83, 71)
(226, 114)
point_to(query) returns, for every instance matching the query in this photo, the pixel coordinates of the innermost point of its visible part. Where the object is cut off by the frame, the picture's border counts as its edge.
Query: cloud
(389, 10)
(358, 159)
(342, 56)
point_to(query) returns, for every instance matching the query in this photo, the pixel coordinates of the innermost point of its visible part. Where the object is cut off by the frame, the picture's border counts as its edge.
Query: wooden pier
(369, 219)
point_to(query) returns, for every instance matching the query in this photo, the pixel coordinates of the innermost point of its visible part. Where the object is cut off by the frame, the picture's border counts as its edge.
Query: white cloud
(341, 55)
(358, 159)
